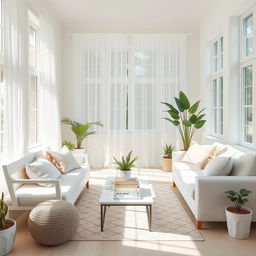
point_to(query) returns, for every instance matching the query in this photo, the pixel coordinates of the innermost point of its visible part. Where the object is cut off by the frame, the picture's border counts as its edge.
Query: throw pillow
(219, 166)
(51, 159)
(65, 160)
(213, 154)
(197, 154)
(42, 169)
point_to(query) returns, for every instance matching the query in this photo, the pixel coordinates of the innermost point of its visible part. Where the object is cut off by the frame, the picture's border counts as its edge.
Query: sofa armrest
(178, 155)
(56, 183)
(211, 199)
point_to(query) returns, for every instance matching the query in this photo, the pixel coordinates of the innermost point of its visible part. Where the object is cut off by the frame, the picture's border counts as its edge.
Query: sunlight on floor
(177, 247)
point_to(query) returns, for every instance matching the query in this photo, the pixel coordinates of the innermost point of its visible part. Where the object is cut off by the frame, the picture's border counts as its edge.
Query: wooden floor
(217, 243)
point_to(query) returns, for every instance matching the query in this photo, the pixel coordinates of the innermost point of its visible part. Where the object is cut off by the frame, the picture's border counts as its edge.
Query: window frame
(33, 71)
(246, 61)
(217, 75)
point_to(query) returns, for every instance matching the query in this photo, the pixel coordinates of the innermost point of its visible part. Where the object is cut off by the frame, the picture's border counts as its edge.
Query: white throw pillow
(65, 159)
(219, 166)
(42, 169)
(197, 154)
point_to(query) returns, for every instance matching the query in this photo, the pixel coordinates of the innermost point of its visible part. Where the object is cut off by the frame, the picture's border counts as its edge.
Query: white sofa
(24, 193)
(205, 195)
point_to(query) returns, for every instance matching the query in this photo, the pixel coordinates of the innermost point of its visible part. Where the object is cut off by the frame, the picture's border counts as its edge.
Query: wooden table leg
(149, 213)
(102, 216)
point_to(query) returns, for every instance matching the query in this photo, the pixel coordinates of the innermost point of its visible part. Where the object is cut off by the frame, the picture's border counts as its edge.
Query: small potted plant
(68, 144)
(238, 217)
(81, 131)
(167, 157)
(7, 229)
(125, 165)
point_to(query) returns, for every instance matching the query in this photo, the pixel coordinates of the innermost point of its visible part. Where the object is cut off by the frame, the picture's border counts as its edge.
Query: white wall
(70, 93)
(222, 19)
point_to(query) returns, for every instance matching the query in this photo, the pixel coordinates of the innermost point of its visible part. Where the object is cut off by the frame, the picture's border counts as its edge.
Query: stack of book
(126, 189)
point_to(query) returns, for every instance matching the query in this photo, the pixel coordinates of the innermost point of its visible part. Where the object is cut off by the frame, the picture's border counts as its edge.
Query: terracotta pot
(167, 164)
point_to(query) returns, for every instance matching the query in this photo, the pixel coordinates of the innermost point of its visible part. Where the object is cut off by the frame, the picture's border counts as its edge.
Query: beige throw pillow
(213, 154)
(65, 160)
(42, 169)
(197, 154)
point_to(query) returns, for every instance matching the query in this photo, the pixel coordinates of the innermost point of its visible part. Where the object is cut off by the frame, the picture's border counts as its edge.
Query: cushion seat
(186, 174)
(32, 194)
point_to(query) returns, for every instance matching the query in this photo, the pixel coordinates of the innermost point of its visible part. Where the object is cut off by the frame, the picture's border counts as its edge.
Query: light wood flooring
(217, 243)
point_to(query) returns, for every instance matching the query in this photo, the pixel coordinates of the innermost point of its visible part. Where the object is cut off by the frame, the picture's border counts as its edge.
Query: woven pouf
(53, 222)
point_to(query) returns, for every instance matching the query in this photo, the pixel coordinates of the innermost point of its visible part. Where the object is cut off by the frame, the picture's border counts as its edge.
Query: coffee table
(107, 199)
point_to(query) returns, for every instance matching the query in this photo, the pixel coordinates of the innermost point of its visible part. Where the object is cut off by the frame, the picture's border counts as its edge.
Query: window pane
(221, 91)
(215, 48)
(32, 46)
(248, 36)
(33, 110)
(2, 92)
(247, 26)
(143, 61)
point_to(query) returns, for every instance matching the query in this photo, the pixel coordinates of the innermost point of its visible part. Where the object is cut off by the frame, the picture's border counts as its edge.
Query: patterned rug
(169, 219)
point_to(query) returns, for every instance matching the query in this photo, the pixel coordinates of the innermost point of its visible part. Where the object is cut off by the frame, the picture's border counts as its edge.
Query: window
(247, 80)
(33, 31)
(217, 87)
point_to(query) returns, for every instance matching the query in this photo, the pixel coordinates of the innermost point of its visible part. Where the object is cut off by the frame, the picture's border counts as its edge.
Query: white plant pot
(7, 238)
(79, 151)
(239, 224)
(125, 175)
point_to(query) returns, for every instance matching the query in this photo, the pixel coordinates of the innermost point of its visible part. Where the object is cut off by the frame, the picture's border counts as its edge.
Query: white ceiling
(128, 11)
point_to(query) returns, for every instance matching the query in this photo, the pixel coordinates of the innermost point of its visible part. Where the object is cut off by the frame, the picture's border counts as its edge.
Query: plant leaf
(184, 100)
(173, 114)
(193, 119)
(200, 124)
(186, 123)
(194, 107)
(181, 109)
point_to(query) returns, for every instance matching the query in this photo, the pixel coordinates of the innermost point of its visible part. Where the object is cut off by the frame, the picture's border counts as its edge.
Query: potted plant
(185, 117)
(238, 217)
(81, 131)
(7, 229)
(167, 157)
(68, 144)
(125, 165)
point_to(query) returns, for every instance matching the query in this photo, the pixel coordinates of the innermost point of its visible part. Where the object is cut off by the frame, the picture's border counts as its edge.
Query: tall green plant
(3, 211)
(81, 131)
(185, 117)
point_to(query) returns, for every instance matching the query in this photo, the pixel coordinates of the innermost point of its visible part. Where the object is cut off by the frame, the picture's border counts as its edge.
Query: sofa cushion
(219, 166)
(197, 154)
(41, 168)
(30, 194)
(186, 173)
(244, 164)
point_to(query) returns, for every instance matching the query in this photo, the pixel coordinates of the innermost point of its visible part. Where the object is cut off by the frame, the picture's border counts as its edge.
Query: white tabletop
(146, 194)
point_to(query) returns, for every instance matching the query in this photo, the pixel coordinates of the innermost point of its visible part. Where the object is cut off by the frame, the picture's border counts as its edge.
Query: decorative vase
(7, 237)
(125, 174)
(239, 224)
(167, 164)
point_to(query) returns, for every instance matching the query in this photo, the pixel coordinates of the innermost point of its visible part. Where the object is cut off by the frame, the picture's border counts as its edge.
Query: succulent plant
(3, 211)
(126, 163)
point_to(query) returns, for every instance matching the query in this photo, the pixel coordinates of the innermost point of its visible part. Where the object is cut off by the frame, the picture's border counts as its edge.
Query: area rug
(169, 219)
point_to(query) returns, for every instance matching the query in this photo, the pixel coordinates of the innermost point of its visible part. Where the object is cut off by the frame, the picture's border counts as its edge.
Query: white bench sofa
(205, 195)
(25, 194)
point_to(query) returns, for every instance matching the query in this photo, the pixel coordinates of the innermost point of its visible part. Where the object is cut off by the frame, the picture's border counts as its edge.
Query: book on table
(126, 189)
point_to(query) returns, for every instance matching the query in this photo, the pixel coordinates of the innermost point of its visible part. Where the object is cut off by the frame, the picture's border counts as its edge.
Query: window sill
(245, 149)
(214, 138)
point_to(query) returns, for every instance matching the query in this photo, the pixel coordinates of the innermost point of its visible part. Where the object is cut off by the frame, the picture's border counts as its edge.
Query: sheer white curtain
(48, 116)
(123, 79)
(158, 73)
(15, 78)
